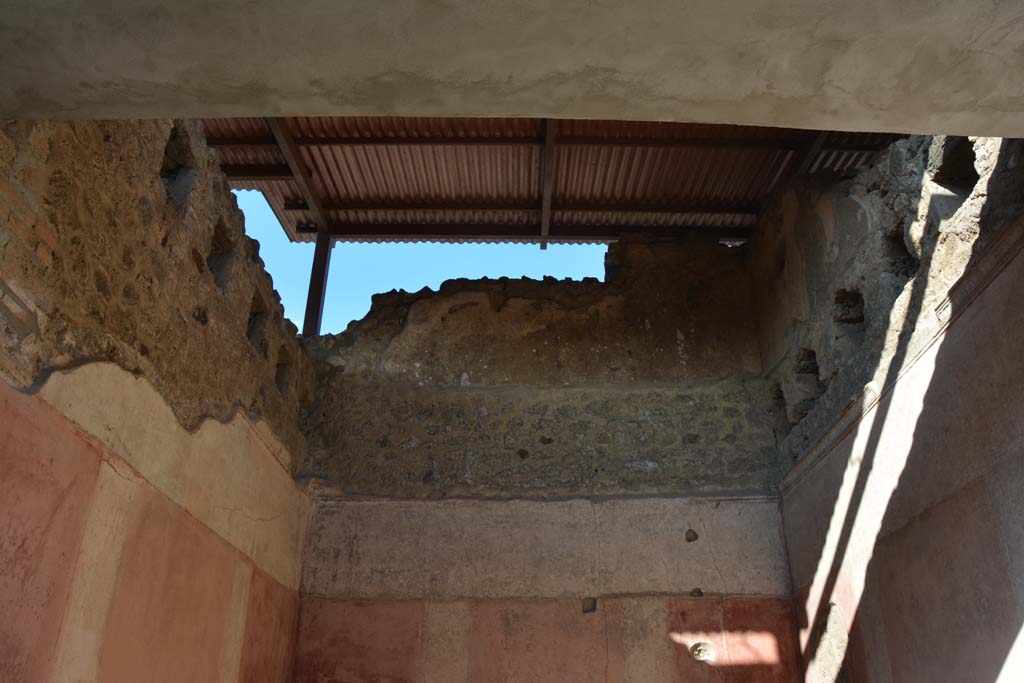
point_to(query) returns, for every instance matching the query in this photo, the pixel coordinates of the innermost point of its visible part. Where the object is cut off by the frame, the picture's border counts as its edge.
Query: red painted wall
(176, 610)
(48, 475)
(937, 595)
(540, 641)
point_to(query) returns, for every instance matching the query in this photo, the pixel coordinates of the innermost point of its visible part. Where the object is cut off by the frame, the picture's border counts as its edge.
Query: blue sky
(360, 270)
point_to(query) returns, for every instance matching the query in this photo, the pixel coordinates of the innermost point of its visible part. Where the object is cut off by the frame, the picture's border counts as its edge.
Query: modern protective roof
(520, 180)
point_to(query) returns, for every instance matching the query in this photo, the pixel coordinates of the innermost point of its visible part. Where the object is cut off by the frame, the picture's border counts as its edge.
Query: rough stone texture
(949, 67)
(624, 640)
(903, 512)
(120, 241)
(666, 312)
(846, 274)
(647, 383)
(164, 553)
(533, 549)
(943, 491)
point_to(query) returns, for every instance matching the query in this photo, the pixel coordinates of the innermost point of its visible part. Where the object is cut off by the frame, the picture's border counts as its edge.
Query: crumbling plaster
(850, 275)
(648, 383)
(121, 241)
(891, 65)
(133, 549)
(694, 369)
(918, 467)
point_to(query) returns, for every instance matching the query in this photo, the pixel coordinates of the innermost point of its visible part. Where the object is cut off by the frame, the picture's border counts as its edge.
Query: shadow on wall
(922, 556)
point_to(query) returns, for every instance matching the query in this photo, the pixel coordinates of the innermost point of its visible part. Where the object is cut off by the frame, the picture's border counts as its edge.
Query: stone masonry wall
(120, 241)
(645, 384)
(140, 540)
(842, 271)
(890, 321)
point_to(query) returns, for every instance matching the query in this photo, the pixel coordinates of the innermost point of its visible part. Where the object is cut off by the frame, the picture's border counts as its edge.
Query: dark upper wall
(835, 269)
(121, 241)
(648, 383)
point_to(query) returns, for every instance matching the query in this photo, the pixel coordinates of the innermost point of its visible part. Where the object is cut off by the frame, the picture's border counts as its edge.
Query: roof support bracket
(324, 238)
(547, 180)
(302, 176)
(318, 284)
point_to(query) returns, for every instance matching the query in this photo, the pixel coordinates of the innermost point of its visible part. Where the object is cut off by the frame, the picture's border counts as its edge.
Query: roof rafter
(269, 143)
(301, 176)
(384, 175)
(523, 231)
(658, 206)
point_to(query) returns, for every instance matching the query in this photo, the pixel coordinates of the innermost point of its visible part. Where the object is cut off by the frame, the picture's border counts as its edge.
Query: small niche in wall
(222, 255)
(900, 261)
(282, 371)
(178, 168)
(803, 386)
(848, 324)
(256, 330)
(951, 178)
(951, 162)
(848, 308)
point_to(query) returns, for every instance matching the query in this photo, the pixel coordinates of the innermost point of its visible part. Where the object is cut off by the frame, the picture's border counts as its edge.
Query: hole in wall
(848, 325)
(177, 171)
(589, 605)
(848, 308)
(256, 329)
(780, 412)
(703, 651)
(951, 178)
(222, 255)
(803, 387)
(898, 257)
(951, 164)
(806, 362)
(102, 285)
(282, 371)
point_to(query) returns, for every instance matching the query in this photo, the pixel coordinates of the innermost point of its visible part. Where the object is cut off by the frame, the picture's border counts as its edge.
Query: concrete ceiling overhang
(884, 65)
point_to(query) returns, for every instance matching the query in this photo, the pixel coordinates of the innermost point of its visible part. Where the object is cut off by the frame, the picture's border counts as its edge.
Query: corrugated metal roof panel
(402, 178)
